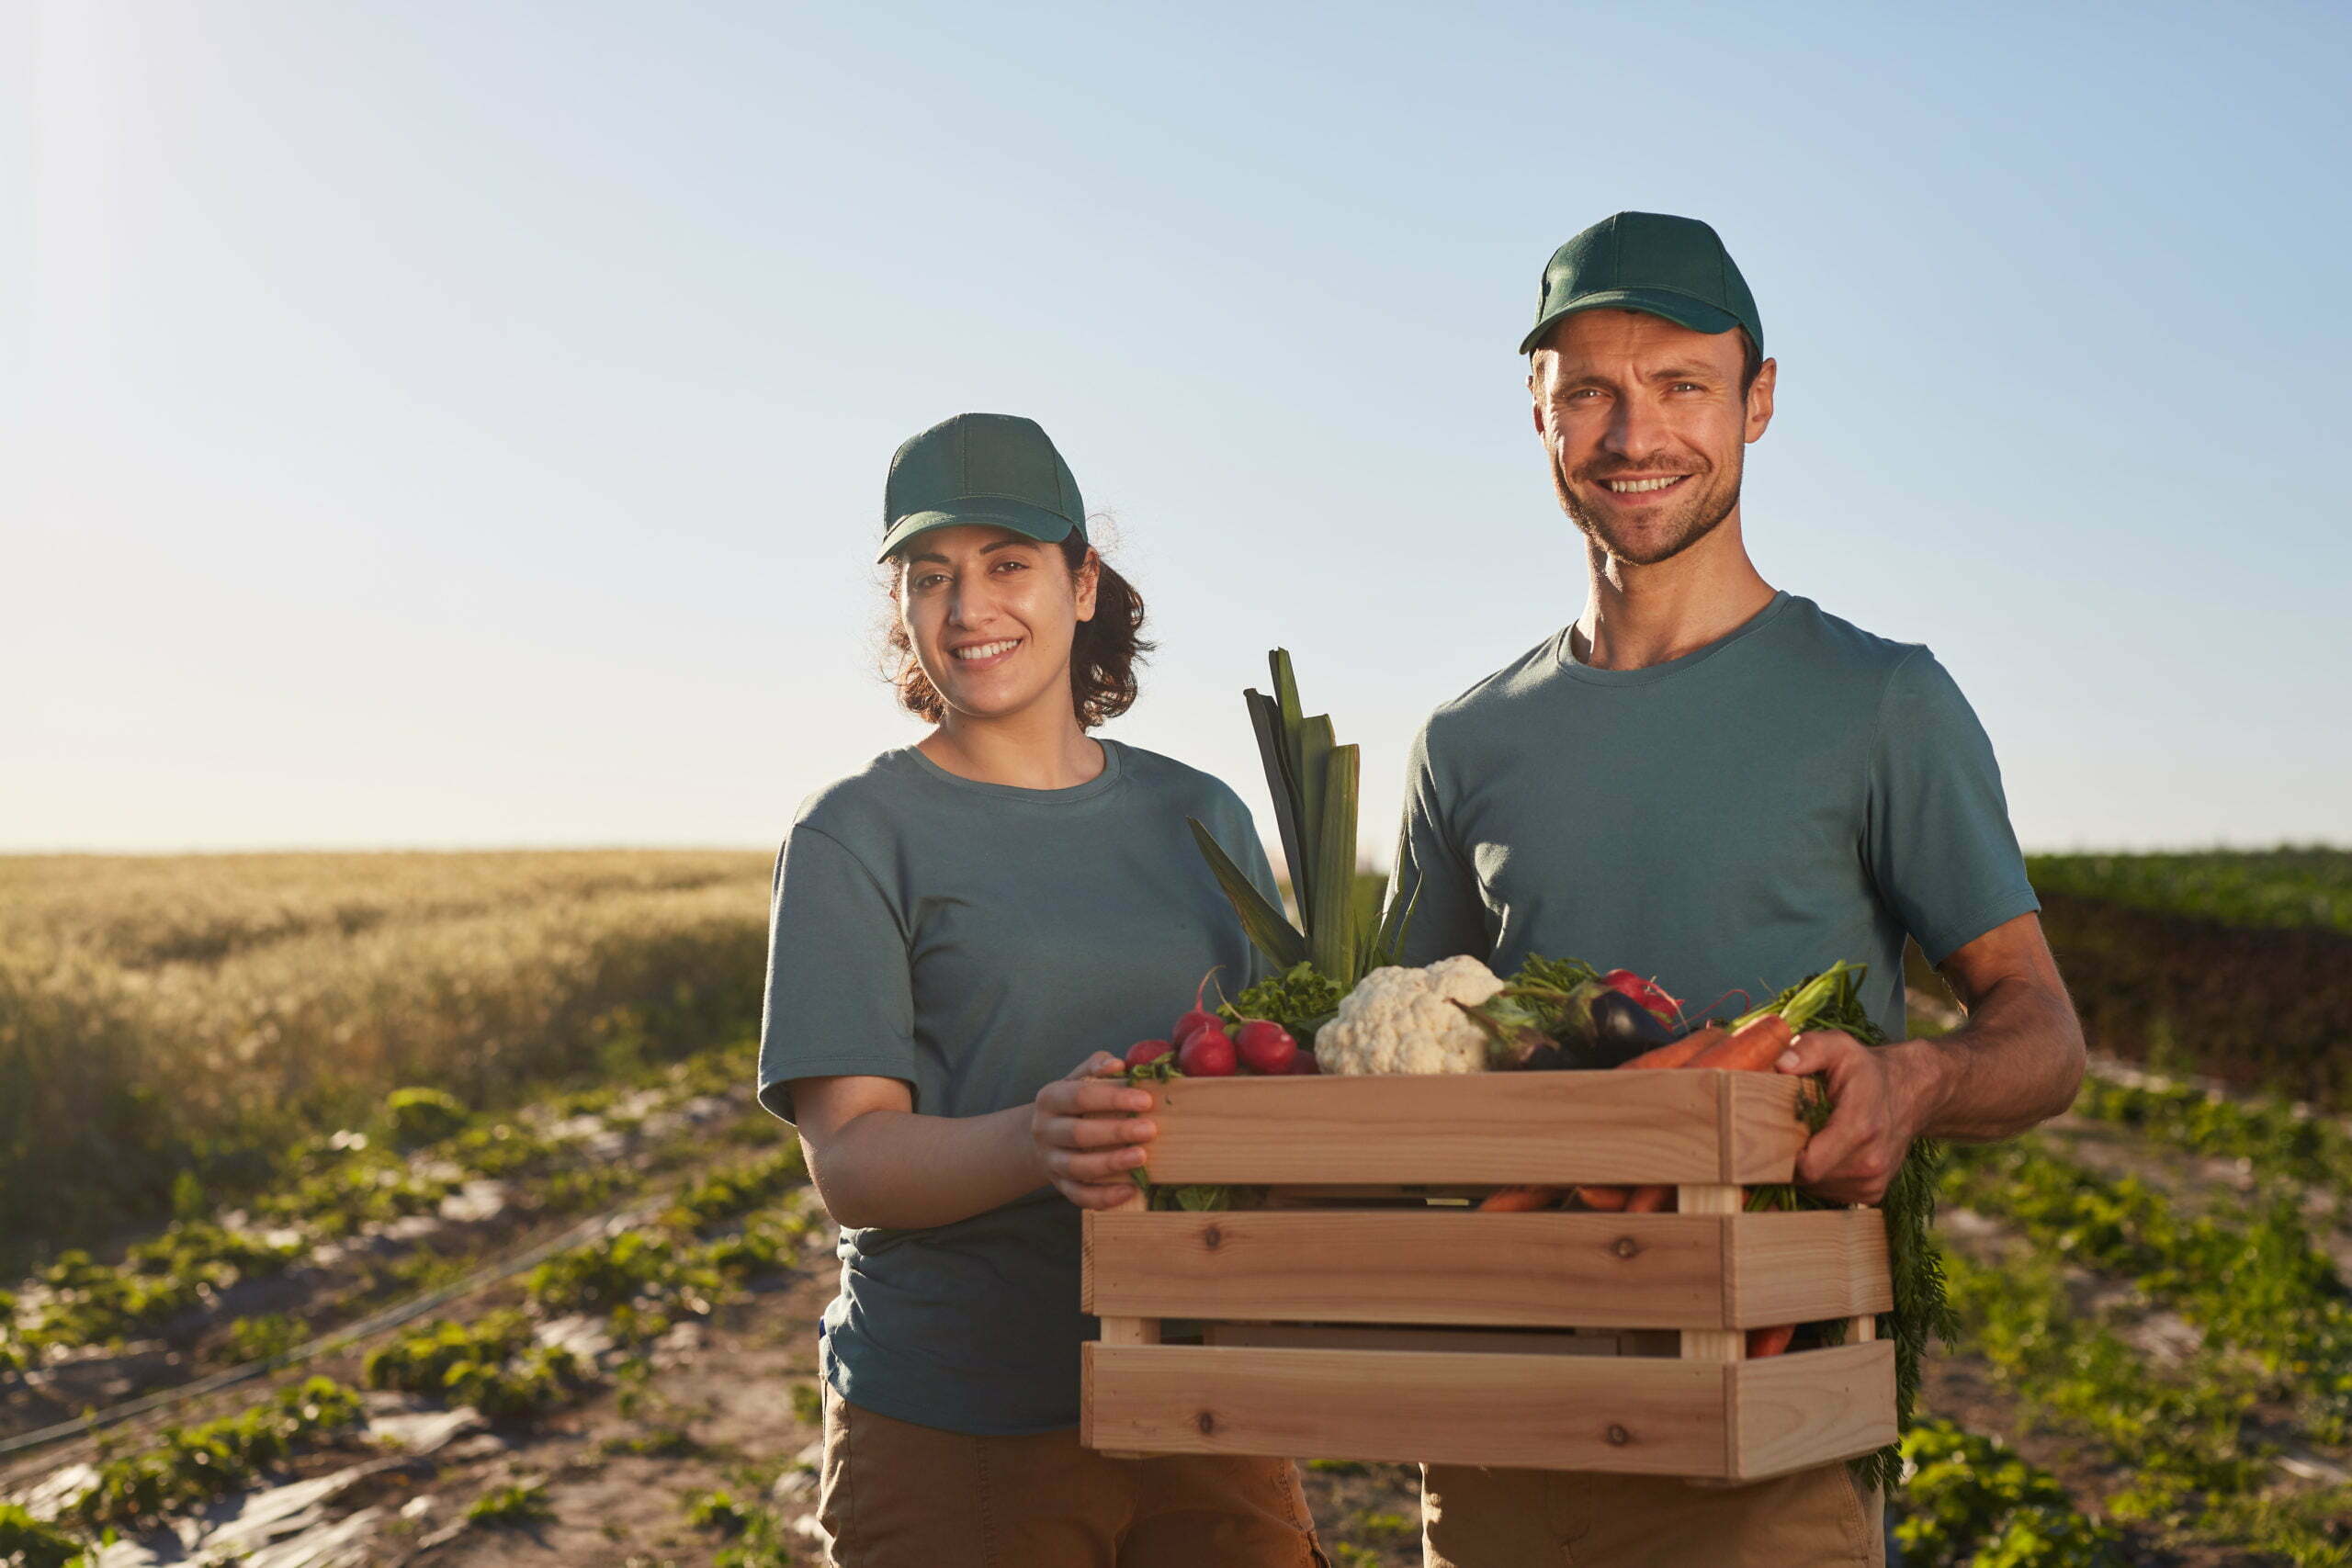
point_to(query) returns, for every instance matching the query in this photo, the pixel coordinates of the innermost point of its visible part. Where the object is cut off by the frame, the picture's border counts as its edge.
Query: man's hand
(1088, 1133)
(1884, 1098)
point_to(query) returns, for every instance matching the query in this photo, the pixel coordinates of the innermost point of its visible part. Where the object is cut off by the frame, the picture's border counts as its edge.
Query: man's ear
(1759, 398)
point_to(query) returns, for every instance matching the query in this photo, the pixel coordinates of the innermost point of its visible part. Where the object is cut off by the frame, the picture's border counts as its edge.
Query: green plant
(492, 1364)
(261, 1339)
(1971, 1502)
(516, 1506)
(717, 1511)
(191, 1465)
(28, 1542)
(421, 1116)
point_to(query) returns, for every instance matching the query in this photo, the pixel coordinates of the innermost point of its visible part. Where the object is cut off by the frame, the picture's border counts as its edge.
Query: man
(1724, 786)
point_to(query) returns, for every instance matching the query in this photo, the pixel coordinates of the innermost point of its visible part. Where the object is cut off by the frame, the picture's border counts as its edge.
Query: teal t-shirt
(975, 941)
(1729, 821)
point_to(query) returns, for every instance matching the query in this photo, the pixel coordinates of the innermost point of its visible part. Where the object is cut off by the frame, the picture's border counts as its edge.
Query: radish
(1144, 1051)
(1199, 1017)
(1648, 993)
(1265, 1046)
(1206, 1054)
(1305, 1065)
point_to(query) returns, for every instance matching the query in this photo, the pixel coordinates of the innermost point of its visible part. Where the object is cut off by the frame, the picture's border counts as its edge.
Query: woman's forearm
(904, 1171)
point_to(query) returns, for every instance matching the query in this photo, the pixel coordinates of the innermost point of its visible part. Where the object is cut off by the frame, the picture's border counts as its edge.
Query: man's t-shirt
(1730, 821)
(975, 941)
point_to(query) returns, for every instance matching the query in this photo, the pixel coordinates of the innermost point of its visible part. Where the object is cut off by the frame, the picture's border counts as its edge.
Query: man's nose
(1635, 428)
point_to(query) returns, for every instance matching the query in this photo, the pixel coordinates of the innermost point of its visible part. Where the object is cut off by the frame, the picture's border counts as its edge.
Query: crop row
(2278, 1138)
(146, 1047)
(2281, 888)
(1970, 1501)
(420, 1151)
(718, 1236)
(2251, 1279)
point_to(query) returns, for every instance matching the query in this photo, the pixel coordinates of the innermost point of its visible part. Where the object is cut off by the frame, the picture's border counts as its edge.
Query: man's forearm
(904, 1171)
(2014, 1064)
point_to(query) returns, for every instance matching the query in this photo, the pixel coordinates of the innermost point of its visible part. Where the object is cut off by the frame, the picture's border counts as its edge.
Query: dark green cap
(980, 468)
(1675, 267)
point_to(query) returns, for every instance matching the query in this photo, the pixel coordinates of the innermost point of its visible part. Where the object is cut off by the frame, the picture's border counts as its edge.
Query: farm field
(488, 1116)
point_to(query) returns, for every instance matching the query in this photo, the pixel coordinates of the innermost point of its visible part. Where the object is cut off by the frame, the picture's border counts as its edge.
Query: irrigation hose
(351, 1333)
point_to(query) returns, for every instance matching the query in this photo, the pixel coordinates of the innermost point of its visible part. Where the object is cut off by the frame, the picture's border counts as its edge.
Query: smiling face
(1646, 427)
(990, 614)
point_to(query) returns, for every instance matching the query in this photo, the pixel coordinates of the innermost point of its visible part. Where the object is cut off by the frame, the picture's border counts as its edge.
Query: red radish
(1206, 1054)
(1199, 1017)
(1305, 1065)
(1647, 993)
(1266, 1047)
(1144, 1051)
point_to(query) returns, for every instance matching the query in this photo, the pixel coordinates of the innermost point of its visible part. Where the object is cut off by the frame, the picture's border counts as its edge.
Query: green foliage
(1971, 1503)
(158, 1280)
(717, 1511)
(731, 1193)
(421, 1116)
(1387, 1527)
(2285, 887)
(261, 1339)
(1301, 999)
(2280, 1139)
(492, 1364)
(604, 1274)
(2252, 1277)
(28, 1542)
(192, 1465)
(516, 1506)
(808, 1404)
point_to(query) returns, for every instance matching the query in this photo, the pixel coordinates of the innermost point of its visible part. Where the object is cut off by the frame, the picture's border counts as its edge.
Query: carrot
(1678, 1053)
(1649, 1200)
(1518, 1200)
(1769, 1341)
(1749, 1049)
(1608, 1199)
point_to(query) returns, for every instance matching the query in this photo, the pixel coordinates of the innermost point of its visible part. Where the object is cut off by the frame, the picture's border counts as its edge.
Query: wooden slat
(1713, 1344)
(1329, 1337)
(1477, 1128)
(1131, 1331)
(1806, 1267)
(1792, 1411)
(1407, 1266)
(1636, 1416)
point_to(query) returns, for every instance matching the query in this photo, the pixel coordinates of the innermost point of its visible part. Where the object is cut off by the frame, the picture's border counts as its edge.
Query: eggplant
(1622, 1029)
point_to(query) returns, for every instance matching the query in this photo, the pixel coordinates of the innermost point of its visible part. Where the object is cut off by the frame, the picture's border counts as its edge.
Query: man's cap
(1674, 267)
(980, 468)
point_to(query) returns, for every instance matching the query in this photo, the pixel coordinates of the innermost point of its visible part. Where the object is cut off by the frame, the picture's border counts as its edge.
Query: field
(429, 1190)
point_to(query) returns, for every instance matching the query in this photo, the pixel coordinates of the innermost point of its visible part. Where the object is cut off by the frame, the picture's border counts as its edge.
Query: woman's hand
(1088, 1134)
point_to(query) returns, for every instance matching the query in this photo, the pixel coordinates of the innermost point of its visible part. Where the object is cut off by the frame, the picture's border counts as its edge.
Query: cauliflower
(1404, 1021)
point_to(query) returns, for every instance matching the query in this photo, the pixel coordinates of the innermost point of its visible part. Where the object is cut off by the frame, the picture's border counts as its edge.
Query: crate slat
(1451, 1266)
(1649, 1415)
(1480, 1129)
(1792, 1412)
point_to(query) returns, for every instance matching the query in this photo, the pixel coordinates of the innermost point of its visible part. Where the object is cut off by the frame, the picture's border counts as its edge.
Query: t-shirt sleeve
(1939, 844)
(1449, 917)
(1236, 832)
(838, 1000)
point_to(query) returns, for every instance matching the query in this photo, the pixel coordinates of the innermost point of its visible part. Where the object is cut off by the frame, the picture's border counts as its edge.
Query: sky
(463, 425)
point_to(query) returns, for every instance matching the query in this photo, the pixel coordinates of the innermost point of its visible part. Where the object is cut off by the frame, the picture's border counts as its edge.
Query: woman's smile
(973, 656)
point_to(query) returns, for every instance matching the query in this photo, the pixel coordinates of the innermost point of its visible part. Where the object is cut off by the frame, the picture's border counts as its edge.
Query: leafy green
(1301, 999)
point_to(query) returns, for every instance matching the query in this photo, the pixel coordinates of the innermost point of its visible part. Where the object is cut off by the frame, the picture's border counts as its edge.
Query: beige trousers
(1520, 1519)
(897, 1495)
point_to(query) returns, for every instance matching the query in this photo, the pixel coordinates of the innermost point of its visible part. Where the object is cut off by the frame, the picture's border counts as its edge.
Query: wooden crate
(1369, 1314)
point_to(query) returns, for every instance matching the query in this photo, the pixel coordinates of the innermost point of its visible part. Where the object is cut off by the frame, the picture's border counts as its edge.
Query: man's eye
(1011, 565)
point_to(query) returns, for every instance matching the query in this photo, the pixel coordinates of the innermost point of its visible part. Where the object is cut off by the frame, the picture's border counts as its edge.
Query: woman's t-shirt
(977, 940)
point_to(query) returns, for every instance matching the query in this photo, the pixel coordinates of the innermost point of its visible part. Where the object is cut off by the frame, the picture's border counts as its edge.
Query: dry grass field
(169, 1019)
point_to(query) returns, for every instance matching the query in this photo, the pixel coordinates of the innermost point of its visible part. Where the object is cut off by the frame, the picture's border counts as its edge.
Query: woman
(956, 928)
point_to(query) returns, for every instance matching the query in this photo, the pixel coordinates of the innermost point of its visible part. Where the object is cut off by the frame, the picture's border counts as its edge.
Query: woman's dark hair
(1102, 654)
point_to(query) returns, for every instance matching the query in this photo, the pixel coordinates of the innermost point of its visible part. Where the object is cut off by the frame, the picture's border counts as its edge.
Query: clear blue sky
(465, 423)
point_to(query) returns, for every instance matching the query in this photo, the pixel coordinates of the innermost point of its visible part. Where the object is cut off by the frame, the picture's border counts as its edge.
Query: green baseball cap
(980, 468)
(1674, 267)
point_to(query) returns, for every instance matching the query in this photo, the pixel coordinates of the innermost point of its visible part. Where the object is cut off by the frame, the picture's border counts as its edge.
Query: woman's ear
(1090, 574)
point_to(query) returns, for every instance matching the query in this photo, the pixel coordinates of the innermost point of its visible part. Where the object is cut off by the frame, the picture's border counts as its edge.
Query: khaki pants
(1520, 1519)
(897, 1495)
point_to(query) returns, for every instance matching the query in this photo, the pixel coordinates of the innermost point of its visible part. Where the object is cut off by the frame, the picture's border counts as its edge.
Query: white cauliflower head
(1404, 1021)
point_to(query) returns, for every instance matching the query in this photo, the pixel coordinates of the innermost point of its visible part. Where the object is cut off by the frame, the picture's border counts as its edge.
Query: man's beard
(1668, 534)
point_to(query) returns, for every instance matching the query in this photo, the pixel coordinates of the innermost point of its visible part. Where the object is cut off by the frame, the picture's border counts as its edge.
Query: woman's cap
(1675, 267)
(980, 468)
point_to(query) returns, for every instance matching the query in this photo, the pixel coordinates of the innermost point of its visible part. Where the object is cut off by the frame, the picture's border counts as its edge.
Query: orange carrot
(1749, 1050)
(1678, 1053)
(1649, 1200)
(1769, 1341)
(1608, 1199)
(1518, 1200)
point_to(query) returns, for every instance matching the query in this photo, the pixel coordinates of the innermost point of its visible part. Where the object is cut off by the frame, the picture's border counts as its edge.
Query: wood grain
(1552, 1129)
(1803, 1268)
(1626, 1414)
(1481, 1341)
(1713, 1344)
(1406, 1266)
(1795, 1411)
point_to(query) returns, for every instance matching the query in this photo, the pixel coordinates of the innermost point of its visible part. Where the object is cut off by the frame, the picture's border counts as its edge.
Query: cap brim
(988, 512)
(1680, 308)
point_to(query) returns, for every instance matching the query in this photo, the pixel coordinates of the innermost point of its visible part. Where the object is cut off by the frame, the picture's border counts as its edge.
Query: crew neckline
(1570, 664)
(1113, 766)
